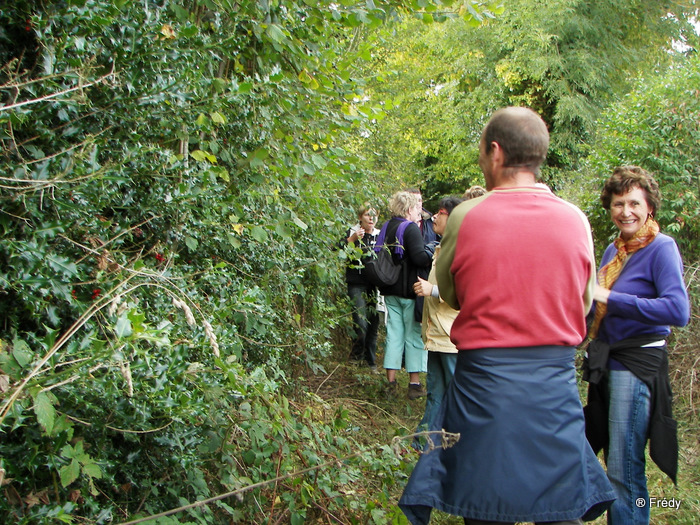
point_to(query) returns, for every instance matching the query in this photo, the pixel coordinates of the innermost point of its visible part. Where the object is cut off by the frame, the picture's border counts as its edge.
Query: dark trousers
(366, 320)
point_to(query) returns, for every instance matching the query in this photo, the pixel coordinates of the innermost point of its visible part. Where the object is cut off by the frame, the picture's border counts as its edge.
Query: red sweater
(518, 263)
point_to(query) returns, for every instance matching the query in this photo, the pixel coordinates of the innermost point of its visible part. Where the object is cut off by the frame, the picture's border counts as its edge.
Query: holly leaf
(123, 327)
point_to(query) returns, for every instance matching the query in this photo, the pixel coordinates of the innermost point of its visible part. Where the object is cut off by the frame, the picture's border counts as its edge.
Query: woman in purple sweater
(640, 295)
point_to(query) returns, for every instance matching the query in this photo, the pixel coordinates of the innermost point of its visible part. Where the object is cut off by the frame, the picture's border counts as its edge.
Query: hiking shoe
(391, 388)
(416, 390)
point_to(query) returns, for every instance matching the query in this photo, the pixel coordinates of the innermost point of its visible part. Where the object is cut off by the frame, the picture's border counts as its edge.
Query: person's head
(519, 138)
(631, 195)
(367, 216)
(418, 194)
(445, 207)
(406, 205)
(474, 192)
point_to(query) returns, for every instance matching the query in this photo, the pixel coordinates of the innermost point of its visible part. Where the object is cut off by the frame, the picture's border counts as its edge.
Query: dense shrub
(170, 195)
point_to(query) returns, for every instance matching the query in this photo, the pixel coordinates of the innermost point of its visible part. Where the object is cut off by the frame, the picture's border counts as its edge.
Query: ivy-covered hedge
(171, 190)
(173, 181)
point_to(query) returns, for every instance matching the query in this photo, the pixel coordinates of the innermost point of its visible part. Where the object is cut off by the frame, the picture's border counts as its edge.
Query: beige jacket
(438, 317)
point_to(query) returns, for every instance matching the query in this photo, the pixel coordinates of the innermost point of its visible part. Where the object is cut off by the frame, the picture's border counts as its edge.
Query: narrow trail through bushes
(356, 388)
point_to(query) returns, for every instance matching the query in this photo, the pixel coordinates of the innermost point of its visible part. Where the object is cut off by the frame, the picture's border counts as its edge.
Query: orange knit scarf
(609, 273)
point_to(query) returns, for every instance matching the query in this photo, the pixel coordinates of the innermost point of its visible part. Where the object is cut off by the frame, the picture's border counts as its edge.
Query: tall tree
(567, 59)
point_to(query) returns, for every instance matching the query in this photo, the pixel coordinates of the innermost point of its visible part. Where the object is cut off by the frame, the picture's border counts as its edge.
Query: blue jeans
(441, 369)
(366, 320)
(628, 424)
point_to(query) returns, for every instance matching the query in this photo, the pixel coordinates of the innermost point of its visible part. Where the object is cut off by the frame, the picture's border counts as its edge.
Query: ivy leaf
(234, 241)
(259, 157)
(283, 231)
(307, 79)
(259, 234)
(222, 173)
(300, 223)
(68, 452)
(189, 31)
(62, 424)
(93, 470)
(200, 156)
(218, 118)
(21, 352)
(192, 243)
(319, 161)
(275, 33)
(137, 320)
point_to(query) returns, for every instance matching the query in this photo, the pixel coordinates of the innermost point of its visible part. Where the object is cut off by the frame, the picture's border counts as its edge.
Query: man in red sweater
(518, 264)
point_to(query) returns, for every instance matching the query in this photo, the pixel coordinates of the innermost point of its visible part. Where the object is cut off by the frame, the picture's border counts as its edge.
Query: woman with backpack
(403, 333)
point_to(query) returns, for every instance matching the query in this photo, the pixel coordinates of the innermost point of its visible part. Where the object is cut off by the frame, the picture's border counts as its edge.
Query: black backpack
(380, 270)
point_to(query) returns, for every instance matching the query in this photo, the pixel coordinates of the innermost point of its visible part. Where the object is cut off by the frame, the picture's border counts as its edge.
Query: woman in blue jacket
(640, 295)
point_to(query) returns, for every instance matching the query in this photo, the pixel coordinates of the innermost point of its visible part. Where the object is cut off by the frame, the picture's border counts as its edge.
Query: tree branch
(58, 94)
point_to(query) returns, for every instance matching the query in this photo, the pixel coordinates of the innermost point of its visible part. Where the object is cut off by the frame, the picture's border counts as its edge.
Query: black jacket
(650, 365)
(353, 270)
(416, 259)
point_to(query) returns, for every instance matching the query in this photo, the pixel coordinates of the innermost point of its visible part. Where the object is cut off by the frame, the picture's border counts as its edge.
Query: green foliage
(175, 175)
(567, 59)
(655, 127)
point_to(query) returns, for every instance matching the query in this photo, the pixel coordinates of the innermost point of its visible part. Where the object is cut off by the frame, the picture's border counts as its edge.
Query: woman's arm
(415, 247)
(669, 304)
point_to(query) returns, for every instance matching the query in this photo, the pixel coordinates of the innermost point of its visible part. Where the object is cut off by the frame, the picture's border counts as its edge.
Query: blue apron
(522, 453)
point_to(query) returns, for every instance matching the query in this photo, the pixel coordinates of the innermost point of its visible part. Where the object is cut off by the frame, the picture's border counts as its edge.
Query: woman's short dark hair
(449, 203)
(625, 179)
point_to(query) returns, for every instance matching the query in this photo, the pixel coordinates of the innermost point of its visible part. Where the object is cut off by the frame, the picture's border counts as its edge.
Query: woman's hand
(356, 235)
(601, 294)
(422, 288)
